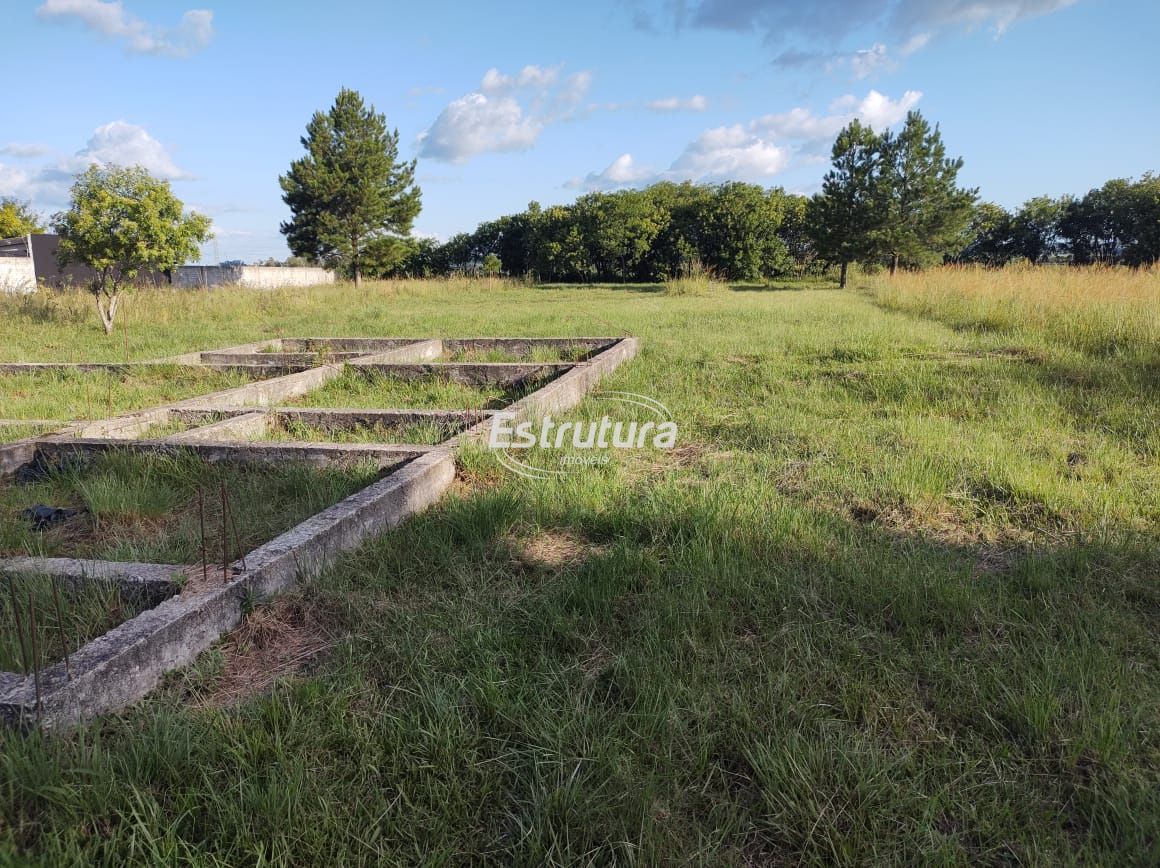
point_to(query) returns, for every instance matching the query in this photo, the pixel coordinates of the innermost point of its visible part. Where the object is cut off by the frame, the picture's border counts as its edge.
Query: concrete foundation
(127, 662)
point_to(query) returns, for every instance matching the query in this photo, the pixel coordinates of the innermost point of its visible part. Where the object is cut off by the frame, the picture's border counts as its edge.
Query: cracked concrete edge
(130, 660)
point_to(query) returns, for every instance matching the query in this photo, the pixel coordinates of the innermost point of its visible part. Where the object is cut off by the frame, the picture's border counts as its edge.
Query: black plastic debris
(43, 517)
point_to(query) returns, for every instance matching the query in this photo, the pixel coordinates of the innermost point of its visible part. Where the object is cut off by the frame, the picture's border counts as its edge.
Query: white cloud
(914, 43)
(695, 103)
(881, 111)
(117, 142)
(867, 61)
(532, 76)
(479, 124)
(760, 149)
(507, 113)
(110, 19)
(128, 145)
(730, 153)
(621, 172)
(23, 151)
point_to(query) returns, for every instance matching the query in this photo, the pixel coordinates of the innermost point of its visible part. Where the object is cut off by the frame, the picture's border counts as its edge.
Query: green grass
(892, 599)
(144, 508)
(76, 395)
(356, 390)
(84, 613)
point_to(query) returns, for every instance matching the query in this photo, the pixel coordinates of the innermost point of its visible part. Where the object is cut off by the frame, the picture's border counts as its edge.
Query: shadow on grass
(784, 285)
(734, 679)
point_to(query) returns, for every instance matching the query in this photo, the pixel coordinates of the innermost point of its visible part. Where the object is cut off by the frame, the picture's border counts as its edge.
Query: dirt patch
(555, 549)
(275, 641)
(993, 553)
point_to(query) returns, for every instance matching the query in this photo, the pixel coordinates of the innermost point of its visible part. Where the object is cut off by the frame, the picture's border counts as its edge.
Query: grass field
(891, 599)
(77, 395)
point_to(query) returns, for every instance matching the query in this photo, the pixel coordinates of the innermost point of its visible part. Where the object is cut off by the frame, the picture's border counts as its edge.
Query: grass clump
(66, 618)
(355, 389)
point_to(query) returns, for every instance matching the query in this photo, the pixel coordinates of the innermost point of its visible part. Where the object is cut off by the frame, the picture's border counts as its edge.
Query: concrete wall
(17, 274)
(254, 276)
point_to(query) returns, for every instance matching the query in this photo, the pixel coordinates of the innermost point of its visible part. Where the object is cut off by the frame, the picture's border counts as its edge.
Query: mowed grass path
(893, 598)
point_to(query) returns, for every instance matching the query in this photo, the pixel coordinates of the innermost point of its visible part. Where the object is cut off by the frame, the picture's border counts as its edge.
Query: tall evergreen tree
(350, 190)
(843, 218)
(922, 212)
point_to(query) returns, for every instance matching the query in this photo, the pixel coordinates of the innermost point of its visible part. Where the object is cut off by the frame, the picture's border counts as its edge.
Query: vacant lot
(893, 597)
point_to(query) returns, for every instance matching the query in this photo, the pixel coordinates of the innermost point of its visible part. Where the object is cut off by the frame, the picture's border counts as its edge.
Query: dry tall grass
(1092, 309)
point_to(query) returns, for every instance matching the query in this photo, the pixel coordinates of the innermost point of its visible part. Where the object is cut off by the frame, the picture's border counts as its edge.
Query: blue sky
(503, 103)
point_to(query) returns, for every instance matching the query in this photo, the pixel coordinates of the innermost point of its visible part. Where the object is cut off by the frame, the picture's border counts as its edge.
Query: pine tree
(922, 212)
(843, 218)
(350, 189)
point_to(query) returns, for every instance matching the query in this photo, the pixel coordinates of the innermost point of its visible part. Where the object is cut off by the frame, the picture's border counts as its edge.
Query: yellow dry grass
(1091, 309)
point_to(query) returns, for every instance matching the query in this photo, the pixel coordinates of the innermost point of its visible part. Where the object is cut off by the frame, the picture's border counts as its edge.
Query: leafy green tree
(17, 218)
(619, 230)
(1142, 246)
(350, 189)
(1035, 228)
(921, 211)
(844, 217)
(739, 231)
(677, 246)
(988, 238)
(123, 221)
(795, 234)
(492, 266)
(1094, 228)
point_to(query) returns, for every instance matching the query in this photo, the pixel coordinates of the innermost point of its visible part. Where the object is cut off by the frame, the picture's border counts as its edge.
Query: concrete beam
(471, 373)
(141, 583)
(130, 660)
(264, 392)
(383, 455)
(419, 351)
(525, 346)
(343, 419)
(195, 358)
(342, 345)
(564, 392)
(273, 360)
(243, 427)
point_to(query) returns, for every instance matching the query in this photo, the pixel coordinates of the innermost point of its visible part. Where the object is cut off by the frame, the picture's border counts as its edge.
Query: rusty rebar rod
(60, 630)
(35, 650)
(19, 624)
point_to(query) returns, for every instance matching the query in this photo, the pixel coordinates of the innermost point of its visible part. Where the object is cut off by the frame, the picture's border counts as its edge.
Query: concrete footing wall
(252, 276)
(17, 274)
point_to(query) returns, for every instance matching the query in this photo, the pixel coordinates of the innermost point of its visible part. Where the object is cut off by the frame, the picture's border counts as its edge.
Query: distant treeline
(1116, 224)
(738, 231)
(890, 199)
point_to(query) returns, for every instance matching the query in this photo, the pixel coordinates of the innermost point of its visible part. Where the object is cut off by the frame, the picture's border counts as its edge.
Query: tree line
(890, 199)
